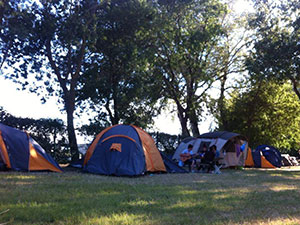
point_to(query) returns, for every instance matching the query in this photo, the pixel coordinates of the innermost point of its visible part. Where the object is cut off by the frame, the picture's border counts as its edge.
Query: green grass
(233, 197)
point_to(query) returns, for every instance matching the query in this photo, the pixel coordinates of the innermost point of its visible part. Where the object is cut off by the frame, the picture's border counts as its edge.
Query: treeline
(123, 61)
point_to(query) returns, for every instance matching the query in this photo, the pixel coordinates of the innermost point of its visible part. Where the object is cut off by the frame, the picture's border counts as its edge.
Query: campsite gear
(288, 160)
(20, 152)
(136, 153)
(264, 156)
(225, 143)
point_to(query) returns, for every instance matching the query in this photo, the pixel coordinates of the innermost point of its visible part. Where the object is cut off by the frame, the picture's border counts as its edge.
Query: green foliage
(184, 41)
(267, 113)
(115, 84)
(49, 133)
(276, 52)
(166, 142)
(49, 41)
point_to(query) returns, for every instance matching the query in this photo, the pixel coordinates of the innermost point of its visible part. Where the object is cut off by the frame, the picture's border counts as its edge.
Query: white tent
(228, 145)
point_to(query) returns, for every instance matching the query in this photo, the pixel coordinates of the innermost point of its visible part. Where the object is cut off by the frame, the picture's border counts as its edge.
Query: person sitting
(186, 158)
(201, 156)
(204, 150)
(209, 159)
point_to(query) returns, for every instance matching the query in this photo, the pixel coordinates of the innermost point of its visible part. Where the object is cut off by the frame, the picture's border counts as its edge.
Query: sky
(25, 104)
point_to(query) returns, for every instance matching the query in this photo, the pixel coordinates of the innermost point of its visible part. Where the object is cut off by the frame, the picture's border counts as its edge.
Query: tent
(123, 150)
(232, 147)
(171, 166)
(20, 152)
(182, 146)
(264, 156)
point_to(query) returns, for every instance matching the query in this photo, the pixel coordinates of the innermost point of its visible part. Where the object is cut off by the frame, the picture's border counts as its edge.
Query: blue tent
(123, 150)
(270, 153)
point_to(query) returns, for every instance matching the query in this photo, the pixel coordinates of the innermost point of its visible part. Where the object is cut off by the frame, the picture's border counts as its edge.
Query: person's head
(213, 148)
(204, 148)
(190, 147)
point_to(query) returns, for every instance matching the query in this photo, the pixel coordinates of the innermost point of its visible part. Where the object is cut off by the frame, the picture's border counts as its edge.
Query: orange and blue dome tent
(264, 156)
(20, 152)
(123, 150)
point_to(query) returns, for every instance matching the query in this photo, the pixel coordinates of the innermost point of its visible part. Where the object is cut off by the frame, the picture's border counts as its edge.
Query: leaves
(267, 113)
(276, 47)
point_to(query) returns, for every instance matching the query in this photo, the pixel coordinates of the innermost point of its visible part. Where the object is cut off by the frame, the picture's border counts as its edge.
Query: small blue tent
(266, 152)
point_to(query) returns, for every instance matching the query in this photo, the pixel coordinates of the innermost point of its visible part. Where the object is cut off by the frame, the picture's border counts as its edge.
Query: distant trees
(267, 113)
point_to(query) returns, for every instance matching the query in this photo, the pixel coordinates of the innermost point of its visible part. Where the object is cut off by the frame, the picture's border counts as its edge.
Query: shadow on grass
(232, 197)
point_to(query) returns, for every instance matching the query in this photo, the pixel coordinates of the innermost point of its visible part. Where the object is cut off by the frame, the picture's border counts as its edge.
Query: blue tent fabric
(129, 162)
(78, 163)
(269, 152)
(256, 158)
(2, 165)
(17, 146)
(122, 130)
(171, 166)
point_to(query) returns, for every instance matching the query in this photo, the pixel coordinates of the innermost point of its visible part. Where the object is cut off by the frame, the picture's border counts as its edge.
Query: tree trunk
(70, 106)
(190, 100)
(183, 121)
(194, 124)
(221, 107)
(296, 87)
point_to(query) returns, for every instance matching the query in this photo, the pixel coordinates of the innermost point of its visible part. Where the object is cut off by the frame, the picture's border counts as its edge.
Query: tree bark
(183, 121)
(70, 103)
(68, 95)
(296, 87)
(221, 107)
(194, 123)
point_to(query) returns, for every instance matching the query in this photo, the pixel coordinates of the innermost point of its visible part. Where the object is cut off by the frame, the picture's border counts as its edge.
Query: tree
(6, 35)
(51, 42)
(276, 51)
(184, 39)
(267, 113)
(115, 83)
(230, 56)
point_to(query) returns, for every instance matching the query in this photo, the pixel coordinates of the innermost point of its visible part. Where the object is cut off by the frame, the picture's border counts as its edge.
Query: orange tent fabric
(154, 161)
(265, 163)
(249, 160)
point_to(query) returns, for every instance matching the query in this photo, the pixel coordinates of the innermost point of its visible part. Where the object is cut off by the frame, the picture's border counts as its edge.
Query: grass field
(233, 197)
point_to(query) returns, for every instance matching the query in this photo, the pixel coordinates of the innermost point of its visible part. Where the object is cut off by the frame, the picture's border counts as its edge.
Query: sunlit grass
(233, 197)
